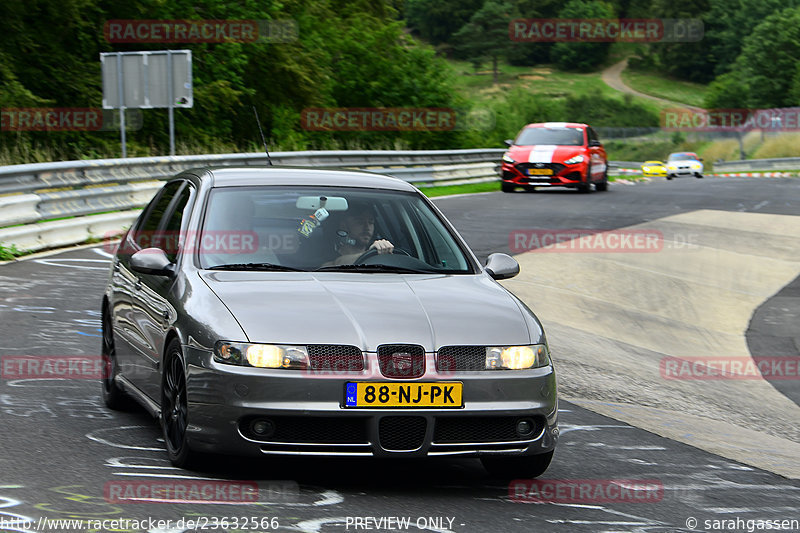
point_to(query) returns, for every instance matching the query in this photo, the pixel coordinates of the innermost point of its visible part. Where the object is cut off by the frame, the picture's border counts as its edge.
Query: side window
(172, 228)
(444, 253)
(592, 135)
(145, 233)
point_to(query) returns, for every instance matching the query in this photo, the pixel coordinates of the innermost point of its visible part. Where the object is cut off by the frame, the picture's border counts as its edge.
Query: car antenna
(263, 140)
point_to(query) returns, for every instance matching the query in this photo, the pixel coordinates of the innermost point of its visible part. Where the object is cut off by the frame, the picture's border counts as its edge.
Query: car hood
(367, 310)
(544, 153)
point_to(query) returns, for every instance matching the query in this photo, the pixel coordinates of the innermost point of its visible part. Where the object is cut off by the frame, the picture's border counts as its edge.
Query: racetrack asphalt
(62, 447)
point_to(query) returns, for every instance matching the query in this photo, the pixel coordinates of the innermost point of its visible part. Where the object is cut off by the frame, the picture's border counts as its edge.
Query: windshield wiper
(257, 266)
(374, 268)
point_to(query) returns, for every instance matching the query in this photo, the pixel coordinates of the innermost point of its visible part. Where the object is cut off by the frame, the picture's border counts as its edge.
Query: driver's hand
(383, 246)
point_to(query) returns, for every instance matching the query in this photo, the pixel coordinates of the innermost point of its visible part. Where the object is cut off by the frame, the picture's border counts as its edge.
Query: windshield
(682, 156)
(553, 136)
(327, 228)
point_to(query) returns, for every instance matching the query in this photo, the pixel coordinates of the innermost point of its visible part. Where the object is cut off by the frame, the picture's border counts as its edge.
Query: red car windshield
(553, 136)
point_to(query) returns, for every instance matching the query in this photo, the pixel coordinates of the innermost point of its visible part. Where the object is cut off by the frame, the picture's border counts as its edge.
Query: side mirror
(152, 261)
(595, 143)
(501, 266)
(509, 142)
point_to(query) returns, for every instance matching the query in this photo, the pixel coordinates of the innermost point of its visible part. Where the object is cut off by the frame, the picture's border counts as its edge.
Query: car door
(125, 281)
(151, 309)
(597, 155)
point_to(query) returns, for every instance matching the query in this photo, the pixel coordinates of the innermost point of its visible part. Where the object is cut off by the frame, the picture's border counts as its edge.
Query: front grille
(525, 167)
(454, 358)
(481, 429)
(311, 429)
(540, 179)
(402, 432)
(402, 361)
(335, 359)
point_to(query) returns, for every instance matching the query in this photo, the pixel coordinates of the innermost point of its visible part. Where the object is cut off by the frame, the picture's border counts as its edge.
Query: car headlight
(507, 159)
(516, 357)
(646, 169)
(672, 167)
(574, 160)
(696, 166)
(261, 355)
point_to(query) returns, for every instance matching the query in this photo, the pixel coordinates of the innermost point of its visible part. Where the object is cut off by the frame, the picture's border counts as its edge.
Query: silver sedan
(296, 311)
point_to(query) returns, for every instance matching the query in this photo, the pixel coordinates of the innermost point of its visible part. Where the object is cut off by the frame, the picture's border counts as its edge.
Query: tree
(685, 60)
(347, 53)
(437, 20)
(486, 34)
(769, 59)
(533, 53)
(729, 21)
(728, 91)
(582, 55)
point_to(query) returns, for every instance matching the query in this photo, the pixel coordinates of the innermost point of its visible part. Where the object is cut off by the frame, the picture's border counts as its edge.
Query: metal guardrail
(32, 195)
(613, 165)
(49, 190)
(780, 163)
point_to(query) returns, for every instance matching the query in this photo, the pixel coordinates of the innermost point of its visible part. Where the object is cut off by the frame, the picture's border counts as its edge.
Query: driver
(355, 233)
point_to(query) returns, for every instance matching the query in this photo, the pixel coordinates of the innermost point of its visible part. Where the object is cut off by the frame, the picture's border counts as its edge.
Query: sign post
(147, 80)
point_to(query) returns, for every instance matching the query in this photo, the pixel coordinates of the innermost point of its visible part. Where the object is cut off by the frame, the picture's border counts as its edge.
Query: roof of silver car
(243, 176)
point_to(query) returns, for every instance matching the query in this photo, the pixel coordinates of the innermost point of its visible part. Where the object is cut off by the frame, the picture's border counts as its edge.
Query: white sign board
(147, 80)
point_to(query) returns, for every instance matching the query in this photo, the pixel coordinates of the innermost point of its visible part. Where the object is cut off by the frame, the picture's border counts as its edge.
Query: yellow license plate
(540, 172)
(446, 394)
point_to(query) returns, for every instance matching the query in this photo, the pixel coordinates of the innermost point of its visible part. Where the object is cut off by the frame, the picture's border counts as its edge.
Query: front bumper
(308, 416)
(561, 175)
(684, 171)
(654, 173)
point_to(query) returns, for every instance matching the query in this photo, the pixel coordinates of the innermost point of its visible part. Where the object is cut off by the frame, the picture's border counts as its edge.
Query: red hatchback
(555, 154)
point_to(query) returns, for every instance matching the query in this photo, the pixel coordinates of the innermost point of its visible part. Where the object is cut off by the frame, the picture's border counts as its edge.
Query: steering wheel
(374, 251)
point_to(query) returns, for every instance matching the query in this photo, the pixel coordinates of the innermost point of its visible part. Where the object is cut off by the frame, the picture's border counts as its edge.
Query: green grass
(655, 149)
(627, 177)
(784, 145)
(683, 92)
(8, 253)
(542, 80)
(468, 188)
(794, 173)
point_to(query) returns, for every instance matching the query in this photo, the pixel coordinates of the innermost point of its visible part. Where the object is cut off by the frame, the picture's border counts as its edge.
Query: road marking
(93, 436)
(613, 326)
(567, 428)
(68, 263)
(613, 447)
